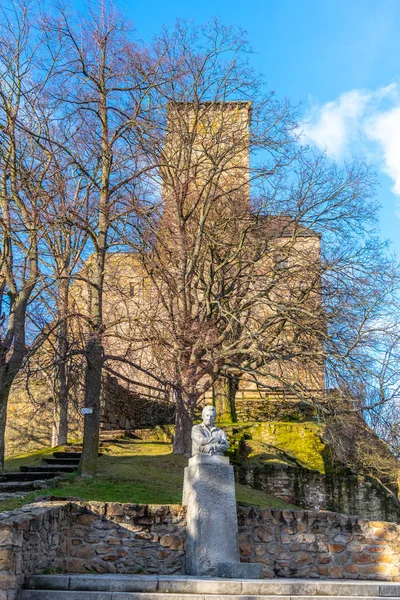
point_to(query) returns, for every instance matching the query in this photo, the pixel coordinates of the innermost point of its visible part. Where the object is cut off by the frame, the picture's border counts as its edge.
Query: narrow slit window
(281, 262)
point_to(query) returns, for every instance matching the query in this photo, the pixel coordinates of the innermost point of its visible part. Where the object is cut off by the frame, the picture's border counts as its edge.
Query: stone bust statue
(206, 437)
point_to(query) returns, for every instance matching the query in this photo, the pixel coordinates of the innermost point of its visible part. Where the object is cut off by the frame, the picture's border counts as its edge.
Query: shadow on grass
(146, 479)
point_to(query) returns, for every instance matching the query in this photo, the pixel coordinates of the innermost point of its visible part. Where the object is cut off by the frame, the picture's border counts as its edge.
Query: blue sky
(340, 58)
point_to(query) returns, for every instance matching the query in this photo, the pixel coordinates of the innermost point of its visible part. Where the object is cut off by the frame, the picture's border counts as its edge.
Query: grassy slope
(290, 443)
(137, 472)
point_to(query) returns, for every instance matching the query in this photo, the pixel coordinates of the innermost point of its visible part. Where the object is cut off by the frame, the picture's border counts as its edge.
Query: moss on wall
(281, 442)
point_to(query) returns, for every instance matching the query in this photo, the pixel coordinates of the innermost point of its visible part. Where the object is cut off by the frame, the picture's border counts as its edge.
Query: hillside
(130, 470)
(278, 464)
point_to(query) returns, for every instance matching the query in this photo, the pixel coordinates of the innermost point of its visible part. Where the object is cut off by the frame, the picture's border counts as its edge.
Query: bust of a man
(206, 437)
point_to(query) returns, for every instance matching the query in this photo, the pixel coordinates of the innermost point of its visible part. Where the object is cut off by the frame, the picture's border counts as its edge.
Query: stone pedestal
(212, 529)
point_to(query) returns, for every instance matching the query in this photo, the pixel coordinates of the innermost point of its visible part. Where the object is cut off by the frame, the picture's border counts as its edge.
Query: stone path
(142, 587)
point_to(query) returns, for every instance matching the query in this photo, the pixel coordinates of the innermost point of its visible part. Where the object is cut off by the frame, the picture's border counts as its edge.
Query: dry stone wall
(125, 409)
(323, 545)
(350, 494)
(268, 407)
(79, 537)
(32, 539)
(126, 538)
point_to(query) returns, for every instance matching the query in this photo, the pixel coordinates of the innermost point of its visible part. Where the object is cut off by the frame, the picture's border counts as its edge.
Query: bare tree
(24, 170)
(103, 96)
(284, 286)
(63, 245)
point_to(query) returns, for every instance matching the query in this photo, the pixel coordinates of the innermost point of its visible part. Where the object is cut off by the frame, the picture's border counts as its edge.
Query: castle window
(281, 261)
(132, 290)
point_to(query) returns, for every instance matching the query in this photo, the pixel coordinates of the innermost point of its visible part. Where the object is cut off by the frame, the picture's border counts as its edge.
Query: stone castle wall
(30, 418)
(79, 537)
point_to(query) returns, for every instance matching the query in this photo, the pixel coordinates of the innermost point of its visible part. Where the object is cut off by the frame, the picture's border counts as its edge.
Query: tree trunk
(183, 425)
(233, 386)
(4, 395)
(224, 395)
(60, 420)
(398, 485)
(221, 399)
(88, 463)
(60, 424)
(8, 371)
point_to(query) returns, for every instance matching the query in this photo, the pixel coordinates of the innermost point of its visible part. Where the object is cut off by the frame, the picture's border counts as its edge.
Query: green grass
(287, 443)
(137, 472)
(28, 458)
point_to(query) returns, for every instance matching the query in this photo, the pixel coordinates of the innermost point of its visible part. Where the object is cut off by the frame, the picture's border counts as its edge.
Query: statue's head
(209, 414)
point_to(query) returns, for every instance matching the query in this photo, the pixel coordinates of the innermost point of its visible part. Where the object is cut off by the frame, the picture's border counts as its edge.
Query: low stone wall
(32, 539)
(351, 494)
(126, 538)
(79, 537)
(267, 407)
(92, 536)
(319, 544)
(125, 409)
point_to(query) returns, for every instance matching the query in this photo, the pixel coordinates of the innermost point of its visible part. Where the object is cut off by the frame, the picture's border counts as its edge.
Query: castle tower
(206, 159)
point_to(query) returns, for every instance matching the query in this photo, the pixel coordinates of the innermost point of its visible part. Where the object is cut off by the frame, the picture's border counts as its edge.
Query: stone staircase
(107, 438)
(35, 477)
(153, 587)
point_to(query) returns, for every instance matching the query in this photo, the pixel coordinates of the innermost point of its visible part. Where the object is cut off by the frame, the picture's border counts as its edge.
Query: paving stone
(200, 586)
(109, 583)
(277, 588)
(63, 595)
(336, 597)
(47, 582)
(327, 588)
(389, 590)
(240, 570)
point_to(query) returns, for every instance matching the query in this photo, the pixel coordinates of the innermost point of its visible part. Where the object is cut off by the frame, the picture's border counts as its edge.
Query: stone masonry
(85, 537)
(82, 537)
(126, 538)
(323, 545)
(125, 409)
(351, 494)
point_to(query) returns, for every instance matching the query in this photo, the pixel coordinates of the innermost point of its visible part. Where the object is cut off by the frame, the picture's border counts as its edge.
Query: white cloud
(333, 126)
(384, 129)
(363, 122)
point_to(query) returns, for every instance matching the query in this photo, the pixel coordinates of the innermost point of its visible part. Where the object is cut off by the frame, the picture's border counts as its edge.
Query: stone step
(22, 486)
(148, 587)
(48, 468)
(61, 461)
(67, 454)
(116, 433)
(79, 595)
(27, 475)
